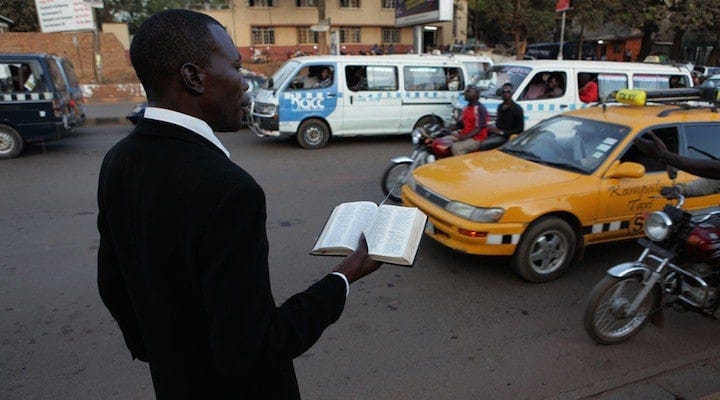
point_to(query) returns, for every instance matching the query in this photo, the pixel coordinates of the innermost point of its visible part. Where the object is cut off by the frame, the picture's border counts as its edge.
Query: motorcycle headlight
(457, 114)
(658, 226)
(411, 182)
(472, 213)
(416, 135)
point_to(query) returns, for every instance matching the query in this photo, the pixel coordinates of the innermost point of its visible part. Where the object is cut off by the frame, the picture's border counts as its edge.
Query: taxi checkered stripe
(606, 227)
(503, 239)
(596, 228)
(20, 96)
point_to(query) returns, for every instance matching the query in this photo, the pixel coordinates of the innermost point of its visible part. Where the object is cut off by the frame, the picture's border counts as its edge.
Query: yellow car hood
(491, 178)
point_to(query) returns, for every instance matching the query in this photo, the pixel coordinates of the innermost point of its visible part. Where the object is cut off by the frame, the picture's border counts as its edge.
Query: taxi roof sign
(640, 97)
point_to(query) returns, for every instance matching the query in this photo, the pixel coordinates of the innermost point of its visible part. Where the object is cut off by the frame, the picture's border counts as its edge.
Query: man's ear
(193, 77)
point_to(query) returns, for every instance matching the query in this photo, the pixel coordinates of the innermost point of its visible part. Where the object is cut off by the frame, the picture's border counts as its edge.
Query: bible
(393, 233)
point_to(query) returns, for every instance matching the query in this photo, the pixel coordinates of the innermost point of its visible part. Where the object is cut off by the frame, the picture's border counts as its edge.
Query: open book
(393, 233)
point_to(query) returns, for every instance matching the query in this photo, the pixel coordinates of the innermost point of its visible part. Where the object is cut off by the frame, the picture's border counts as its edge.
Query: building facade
(278, 29)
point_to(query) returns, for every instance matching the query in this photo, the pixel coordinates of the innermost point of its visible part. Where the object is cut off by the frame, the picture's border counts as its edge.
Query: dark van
(34, 101)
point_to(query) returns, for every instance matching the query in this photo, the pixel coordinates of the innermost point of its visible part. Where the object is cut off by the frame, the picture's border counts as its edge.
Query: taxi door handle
(563, 106)
(330, 95)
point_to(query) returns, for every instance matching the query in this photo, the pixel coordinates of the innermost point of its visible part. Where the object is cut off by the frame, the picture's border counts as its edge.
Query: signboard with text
(416, 12)
(64, 15)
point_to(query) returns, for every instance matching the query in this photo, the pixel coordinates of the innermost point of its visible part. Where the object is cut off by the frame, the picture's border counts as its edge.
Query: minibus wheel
(313, 134)
(11, 143)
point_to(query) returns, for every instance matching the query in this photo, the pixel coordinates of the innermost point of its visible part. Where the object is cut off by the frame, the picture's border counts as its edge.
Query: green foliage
(23, 13)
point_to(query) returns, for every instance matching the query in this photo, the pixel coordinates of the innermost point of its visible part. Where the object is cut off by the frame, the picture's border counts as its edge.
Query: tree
(589, 15)
(642, 15)
(23, 14)
(525, 20)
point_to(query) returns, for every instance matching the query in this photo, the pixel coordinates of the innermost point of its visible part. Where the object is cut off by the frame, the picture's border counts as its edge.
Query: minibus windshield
(282, 74)
(498, 75)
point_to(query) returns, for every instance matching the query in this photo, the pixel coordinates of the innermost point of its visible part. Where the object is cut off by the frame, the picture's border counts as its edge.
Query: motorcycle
(430, 142)
(679, 267)
(428, 145)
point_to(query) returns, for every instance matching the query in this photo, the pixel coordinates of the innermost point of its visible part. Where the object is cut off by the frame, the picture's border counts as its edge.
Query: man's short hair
(166, 41)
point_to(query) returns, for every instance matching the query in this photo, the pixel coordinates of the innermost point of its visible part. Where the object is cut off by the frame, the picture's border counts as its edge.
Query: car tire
(545, 250)
(11, 143)
(313, 134)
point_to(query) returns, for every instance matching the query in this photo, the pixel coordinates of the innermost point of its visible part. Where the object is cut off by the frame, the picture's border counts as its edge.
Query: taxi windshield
(498, 75)
(569, 143)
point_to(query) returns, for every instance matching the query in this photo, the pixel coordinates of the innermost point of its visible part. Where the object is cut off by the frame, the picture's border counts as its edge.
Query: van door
(429, 90)
(547, 93)
(371, 100)
(311, 93)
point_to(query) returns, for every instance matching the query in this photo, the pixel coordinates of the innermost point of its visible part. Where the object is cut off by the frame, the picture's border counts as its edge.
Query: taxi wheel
(11, 144)
(546, 249)
(313, 134)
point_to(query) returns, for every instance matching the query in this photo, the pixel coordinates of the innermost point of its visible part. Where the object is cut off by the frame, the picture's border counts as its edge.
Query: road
(452, 327)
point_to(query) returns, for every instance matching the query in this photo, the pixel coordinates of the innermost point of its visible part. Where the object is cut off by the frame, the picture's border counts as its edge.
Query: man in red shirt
(588, 89)
(474, 124)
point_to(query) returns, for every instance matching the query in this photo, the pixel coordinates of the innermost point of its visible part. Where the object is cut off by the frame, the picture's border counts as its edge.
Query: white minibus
(531, 90)
(316, 97)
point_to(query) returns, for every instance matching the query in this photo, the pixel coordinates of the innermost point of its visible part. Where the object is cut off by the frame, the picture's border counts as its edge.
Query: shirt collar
(186, 121)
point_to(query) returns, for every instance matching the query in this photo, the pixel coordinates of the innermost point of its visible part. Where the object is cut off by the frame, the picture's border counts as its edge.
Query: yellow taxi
(570, 181)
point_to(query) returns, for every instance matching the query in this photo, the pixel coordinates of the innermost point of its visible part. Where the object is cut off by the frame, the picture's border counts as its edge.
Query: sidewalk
(106, 114)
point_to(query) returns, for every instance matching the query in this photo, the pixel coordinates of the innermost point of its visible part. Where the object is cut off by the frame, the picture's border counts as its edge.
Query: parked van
(34, 101)
(77, 105)
(316, 97)
(531, 81)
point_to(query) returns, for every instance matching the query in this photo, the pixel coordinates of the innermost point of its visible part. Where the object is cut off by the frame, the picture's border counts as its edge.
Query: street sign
(64, 15)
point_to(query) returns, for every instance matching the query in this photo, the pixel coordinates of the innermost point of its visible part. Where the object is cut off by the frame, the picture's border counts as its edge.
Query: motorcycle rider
(474, 124)
(707, 169)
(510, 117)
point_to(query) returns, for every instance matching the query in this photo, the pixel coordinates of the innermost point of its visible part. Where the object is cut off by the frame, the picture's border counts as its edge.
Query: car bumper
(459, 234)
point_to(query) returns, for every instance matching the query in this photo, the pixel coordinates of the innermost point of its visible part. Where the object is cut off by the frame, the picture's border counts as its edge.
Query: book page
(346, 223)
(393, 234)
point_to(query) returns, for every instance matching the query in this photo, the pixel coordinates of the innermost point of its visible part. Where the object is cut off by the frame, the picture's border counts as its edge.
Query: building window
(388, 4)
(263, 35)
(305, 35)
(261, 3)
(350, 34)
(349, 3)
(306, 3)
(390, 35)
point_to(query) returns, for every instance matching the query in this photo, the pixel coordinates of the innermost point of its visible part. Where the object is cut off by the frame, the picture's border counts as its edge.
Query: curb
(106, 121)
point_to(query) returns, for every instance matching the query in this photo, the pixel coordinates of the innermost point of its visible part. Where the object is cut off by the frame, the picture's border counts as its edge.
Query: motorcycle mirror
(672, 172)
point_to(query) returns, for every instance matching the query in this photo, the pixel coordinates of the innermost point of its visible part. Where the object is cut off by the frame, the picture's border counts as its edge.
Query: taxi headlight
(657, 226)
(472, 213)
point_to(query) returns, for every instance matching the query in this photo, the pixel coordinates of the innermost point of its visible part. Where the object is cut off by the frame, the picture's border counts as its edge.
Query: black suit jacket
(182, 267)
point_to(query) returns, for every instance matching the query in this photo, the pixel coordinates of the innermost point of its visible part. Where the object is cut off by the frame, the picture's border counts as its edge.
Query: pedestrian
(183, 256)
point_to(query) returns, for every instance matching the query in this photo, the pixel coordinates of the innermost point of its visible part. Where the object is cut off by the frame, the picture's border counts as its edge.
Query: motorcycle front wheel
(393, 179)
(606, 319)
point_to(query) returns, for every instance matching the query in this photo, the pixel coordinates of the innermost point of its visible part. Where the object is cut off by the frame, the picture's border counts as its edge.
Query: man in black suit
(182, 264)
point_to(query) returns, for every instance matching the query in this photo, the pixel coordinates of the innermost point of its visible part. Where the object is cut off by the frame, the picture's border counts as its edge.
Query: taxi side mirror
(626, 169)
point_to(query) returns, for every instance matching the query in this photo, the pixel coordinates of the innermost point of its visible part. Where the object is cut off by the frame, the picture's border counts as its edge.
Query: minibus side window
(545, 85)
(311, 77)
(371, 78)
(651, 81)
(423, 78)
(608, 83)
(6, 78)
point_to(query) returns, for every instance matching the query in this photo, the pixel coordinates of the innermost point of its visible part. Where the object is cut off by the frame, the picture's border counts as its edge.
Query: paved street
(452, 327)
